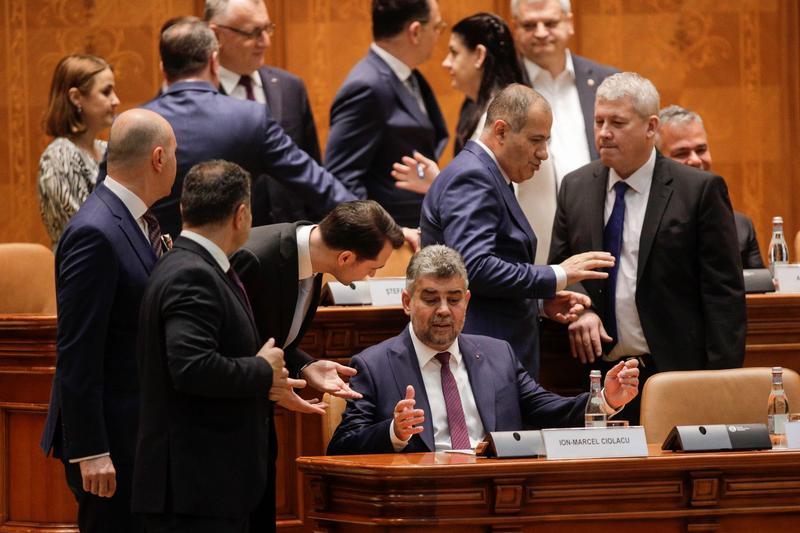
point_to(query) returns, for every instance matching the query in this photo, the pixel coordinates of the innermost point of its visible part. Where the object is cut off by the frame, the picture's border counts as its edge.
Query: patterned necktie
(238, 282)
(413, 85)
(247, 83)
(612, 242)
(459, 436)
(153, 232)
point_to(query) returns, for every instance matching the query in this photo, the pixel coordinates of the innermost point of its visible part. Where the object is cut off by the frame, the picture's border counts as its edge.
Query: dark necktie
(238, 282)
(612, 243)
(413, 85)
(459, 436)
(247, 83)
(153, 232)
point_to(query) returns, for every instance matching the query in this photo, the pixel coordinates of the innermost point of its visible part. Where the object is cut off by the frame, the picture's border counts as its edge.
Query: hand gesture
(566, 306)
(412, 237)
(274, 356)
(415, 173)
(99, 476)
(325, 376)
(582, 266)
(622, 383)
(407, 420)
(586, 337)
(287, 398)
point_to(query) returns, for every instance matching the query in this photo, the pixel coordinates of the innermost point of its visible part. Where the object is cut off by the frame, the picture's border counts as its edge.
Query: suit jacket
(689, 287)
(267, 265)
(205, 417)
(103, 261)
(209, 125)
(471, 208)
(287, 101)
(748, 244)
(506, 396)
(375, 121)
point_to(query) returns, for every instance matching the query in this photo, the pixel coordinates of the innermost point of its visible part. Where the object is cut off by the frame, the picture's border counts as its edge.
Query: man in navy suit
(432, 388)
(471, 207)
(385, 109)
(103, 262)
(243, 29)
(209, 125)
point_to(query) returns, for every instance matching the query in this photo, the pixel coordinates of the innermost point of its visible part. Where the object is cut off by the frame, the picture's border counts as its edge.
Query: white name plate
(591, 443)
(793, 435)
(788, 277)
(345, 295)
(386, 291)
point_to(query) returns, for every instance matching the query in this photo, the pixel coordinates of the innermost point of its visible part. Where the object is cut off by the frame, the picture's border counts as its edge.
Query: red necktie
(238, 282)
(153, 232)
(459, 436)
(247, 83)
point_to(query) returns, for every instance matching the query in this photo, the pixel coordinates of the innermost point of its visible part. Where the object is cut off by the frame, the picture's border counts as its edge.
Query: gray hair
(215, 8)
(675, 114)
(641, 90)
(438, 261)
(565, 6)
(512, 104)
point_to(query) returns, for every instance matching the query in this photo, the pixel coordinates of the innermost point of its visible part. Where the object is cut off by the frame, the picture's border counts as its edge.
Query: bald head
(134, 135)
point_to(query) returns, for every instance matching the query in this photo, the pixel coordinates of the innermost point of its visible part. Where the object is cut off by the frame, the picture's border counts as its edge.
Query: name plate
(591, 443)
(793, 435)
(345, 295)
(788, 277)
(386, 291)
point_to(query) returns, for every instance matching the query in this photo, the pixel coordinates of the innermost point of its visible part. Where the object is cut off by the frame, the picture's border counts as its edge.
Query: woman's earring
(80, 109)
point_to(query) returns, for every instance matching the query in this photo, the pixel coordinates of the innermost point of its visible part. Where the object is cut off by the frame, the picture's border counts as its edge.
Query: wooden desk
(731, 492)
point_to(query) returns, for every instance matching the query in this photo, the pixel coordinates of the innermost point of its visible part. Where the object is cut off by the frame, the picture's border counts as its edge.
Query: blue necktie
(612, 243)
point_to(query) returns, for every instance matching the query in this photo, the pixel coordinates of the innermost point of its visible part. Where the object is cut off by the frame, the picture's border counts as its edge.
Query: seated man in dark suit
(244, 32)
(432, 388)
(682, 137)
(385, 109)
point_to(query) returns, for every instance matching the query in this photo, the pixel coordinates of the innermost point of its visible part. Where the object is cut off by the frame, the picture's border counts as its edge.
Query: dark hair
(212, 191)
(361, 226)
(77, 70)
(389, 17)
(186, 47)
(500, 68)
(512, 105)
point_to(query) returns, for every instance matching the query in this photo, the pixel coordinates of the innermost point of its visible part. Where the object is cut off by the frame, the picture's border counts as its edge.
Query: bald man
(103, 261)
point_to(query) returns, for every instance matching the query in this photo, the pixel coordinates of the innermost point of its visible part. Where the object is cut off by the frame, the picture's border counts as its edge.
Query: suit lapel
(288, 281)
(586, 82)
(660, 193)
(596, 206)
(401, 91)
(404, 366)
(480, 382)
(272, 92)
(129, 227)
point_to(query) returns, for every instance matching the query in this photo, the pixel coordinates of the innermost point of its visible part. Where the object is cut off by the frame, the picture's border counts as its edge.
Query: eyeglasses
(531, 26)
(440, 26)
(255, 33)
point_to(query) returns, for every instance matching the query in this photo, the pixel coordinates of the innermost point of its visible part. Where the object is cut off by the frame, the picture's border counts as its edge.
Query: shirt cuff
(397, 444)
(610, 411)
(561, 277)
(88, 457)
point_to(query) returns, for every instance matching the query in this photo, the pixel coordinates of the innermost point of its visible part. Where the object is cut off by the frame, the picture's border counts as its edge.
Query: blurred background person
(82, 103)
(682, 137)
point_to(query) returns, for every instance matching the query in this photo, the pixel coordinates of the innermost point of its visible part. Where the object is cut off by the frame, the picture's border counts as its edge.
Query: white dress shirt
(305, 282)
(569, 146)
(630, 337)
(229, 81)
(431, 371)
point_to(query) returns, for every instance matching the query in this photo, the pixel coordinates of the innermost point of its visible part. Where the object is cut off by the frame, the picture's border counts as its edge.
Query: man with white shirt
(385, 109)
(103, 262)
(471, 207)
(542, 29)
(675, 298)
(244, 31)
(432, 388)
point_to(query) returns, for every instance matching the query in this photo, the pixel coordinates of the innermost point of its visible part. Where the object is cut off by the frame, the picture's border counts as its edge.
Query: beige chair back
(332, 417)
(733, 396)
(27, 279)
(796, 258)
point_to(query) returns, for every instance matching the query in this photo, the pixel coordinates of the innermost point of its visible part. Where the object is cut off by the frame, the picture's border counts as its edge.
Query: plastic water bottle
(777, 410)
(778, 251)
(595, 413)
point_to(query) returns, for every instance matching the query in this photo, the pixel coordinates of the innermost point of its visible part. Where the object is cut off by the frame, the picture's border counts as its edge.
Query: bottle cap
(594, 374)
(777, 220)
(777, 370)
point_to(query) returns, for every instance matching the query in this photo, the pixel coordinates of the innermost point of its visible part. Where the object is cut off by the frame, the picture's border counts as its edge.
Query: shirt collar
(400, 69)
(535, 71)
(133, 203)
(425, 353)
(496, 162)
(230, 80)
(304, 268)
(640, 179)
(210, 246)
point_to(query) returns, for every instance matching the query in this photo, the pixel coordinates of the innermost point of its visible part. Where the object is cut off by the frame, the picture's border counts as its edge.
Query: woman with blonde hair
(82, 103)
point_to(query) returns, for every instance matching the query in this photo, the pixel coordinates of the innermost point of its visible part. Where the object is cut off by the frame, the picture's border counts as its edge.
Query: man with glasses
(244, 32)
(569, 83)
(385, 109)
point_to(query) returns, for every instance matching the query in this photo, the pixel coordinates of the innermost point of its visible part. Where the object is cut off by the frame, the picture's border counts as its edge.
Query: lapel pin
(274, 80)
(590, 82)
(477, 356)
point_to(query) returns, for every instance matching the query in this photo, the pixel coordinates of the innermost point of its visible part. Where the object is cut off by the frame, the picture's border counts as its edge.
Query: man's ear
(406, 299)
(499, 129)
(157, 158)
(414, 31)
(345, 258)
(652, 126)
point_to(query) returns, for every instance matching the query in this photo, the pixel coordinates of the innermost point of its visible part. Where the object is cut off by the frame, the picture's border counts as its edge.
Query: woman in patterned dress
(82, 103)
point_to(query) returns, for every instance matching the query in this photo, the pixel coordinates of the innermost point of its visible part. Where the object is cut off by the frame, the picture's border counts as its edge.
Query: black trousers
(104, 515)
(263, 518)
(176, 523)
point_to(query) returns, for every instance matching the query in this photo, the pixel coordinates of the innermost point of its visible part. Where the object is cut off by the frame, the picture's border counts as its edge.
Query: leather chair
(27, 279)
(796, 248)
(732, 396)
(332, 417)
